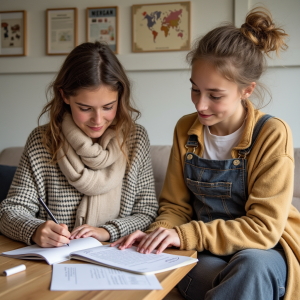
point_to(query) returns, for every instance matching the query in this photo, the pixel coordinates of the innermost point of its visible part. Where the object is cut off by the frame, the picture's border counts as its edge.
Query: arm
(174, 201)
(138, 201)
(18, 212)
(270, 185)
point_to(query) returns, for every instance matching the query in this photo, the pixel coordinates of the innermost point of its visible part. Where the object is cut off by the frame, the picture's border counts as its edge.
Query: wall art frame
(160, 27)
(61, 30)
(102, 24)
(13, 41)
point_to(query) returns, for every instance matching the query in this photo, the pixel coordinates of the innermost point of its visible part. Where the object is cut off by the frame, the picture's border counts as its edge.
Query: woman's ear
(246, 93)
(67, 101)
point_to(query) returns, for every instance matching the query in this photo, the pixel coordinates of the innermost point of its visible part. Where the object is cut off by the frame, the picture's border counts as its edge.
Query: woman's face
(216, 99)
(93, 111)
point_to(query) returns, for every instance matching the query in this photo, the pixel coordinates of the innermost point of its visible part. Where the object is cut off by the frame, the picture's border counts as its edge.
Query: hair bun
(261, 30)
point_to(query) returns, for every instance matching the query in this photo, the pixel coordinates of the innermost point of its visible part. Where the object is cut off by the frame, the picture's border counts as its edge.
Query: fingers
(119, 241)
(80, 231)
(50, 234)
(61, 229)
(152, 241)
(132, 238)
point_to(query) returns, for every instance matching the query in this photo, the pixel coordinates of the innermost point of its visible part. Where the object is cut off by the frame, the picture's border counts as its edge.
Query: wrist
(105, 235)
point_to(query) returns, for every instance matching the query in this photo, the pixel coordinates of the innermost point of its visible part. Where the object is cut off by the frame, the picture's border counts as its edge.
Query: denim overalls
(218, 187)
(219, 190)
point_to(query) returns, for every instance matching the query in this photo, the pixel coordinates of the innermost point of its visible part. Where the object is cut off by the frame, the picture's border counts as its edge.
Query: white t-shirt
(219, 147)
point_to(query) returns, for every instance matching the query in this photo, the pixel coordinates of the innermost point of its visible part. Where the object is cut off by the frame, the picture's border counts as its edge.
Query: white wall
(161, 92)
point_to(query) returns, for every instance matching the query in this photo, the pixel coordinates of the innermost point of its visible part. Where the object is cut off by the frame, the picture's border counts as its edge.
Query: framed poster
(13, 33)
(61, 30)
(102, 26)
(161, 27)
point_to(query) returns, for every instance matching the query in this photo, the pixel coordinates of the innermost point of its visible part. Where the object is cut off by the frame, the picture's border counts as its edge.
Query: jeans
(248, 274)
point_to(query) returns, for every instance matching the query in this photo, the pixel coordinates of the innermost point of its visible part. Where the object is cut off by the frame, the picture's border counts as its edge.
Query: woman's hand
(160, 238)
(85, 230)
(128, 240)
(50, 234)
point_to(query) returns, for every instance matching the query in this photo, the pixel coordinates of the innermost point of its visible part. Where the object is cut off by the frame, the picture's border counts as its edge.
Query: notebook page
(54, 255)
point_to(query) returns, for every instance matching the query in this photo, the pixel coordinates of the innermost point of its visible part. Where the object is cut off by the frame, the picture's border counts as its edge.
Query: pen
(49, 213)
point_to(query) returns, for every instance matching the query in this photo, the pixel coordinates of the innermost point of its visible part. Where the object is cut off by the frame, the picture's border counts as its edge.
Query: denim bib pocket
(215, 189)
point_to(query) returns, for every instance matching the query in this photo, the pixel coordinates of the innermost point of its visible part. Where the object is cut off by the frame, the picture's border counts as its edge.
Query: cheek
(79, 117)
(110, 115)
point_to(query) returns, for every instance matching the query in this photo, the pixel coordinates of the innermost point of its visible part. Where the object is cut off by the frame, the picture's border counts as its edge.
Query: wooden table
(34, 283)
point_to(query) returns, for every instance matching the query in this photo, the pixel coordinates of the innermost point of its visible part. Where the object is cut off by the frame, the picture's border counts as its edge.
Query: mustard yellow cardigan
(270, 216)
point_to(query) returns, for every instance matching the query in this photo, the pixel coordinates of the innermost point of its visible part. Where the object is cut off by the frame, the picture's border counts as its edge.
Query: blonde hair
(238, 53)
(88, 66)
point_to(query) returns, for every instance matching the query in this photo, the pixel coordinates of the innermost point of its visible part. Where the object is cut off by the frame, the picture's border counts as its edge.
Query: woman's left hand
(85, 230)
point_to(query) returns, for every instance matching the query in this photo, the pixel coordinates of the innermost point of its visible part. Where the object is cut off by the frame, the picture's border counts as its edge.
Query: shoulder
(138, 144)
(34, 145)
(187, 121)
(275, 139)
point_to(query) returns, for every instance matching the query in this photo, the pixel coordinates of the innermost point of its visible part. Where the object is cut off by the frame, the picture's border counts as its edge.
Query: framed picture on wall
(13, 33)
(161, 27)
(61, 30)
(102, 26)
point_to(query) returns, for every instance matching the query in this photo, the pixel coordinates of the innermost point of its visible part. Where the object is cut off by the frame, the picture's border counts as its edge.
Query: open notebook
(92, 251)
(53, 255)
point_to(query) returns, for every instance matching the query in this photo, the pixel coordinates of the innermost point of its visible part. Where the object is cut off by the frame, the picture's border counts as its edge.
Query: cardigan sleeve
(138, 201)
(174, 202)
(18, 211)
(270, 186)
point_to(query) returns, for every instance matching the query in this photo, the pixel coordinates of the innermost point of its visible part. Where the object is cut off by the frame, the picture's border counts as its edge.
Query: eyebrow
(81, 104)
(210, 90)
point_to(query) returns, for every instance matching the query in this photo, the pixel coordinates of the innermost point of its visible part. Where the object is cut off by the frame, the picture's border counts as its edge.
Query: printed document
(79, 277)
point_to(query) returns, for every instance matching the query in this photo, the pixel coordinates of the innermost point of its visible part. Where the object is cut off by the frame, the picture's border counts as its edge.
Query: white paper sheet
(133, 261)
(79, 277)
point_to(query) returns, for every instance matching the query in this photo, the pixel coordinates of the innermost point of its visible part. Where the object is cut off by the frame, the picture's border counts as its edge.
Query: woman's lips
(204, 116)
(95, 128)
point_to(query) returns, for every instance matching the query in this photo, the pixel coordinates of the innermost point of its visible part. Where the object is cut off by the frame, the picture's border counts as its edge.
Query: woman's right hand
(160, 239)
(50, 234)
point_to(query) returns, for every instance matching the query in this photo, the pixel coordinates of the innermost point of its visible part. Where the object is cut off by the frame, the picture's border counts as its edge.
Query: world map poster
(161, 27)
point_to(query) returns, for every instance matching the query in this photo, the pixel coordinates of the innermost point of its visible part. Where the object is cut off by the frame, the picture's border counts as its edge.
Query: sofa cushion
(11, 156)
(160, 158)
(6, 176)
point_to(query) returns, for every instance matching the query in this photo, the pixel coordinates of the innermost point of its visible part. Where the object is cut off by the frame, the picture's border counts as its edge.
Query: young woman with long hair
(90, 164)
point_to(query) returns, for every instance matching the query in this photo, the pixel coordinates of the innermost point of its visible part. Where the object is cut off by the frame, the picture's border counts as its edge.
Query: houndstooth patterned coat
(21, 213)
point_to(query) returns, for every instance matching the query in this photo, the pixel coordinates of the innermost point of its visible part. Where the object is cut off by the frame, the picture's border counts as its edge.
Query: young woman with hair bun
(229, 183)
(90, 164)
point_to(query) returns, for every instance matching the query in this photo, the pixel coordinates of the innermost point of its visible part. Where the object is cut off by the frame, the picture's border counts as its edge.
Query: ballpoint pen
(49, 212)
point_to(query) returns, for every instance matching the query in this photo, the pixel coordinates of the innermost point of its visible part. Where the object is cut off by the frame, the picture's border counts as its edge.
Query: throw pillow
(6, 176)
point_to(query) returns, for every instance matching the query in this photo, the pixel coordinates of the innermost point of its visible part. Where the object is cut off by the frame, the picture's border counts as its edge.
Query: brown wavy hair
(88, 66)
(238, 53)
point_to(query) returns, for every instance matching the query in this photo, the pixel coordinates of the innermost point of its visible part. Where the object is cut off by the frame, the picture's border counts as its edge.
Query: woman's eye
(195, 90)
(84, 109)
(108, 108)
(214, 98)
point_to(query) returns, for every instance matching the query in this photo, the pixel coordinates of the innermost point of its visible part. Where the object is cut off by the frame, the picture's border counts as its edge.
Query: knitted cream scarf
(95, 170)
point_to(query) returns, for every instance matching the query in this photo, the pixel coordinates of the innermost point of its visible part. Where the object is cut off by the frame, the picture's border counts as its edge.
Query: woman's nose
(202, 103)
(97, 118)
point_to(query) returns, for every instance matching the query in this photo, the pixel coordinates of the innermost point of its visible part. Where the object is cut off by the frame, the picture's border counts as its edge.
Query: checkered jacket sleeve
(139, 205)
(18, 212)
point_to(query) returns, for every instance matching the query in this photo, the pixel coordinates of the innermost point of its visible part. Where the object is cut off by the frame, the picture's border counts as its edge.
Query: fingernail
(142, 251)
(137, 249)
(147, 251)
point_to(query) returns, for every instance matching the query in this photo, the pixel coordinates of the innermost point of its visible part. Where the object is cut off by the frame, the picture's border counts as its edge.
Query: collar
(252, 117)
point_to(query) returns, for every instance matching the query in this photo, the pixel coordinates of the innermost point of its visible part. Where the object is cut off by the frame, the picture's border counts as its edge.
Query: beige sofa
(160, 157)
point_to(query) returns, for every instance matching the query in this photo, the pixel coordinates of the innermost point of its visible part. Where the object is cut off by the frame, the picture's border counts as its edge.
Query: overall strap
(192, 142)
(258, 127)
